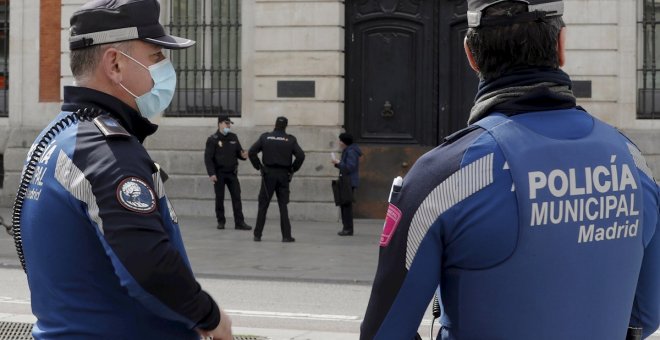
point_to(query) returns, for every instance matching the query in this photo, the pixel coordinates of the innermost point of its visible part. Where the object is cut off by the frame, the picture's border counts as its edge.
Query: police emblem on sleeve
(136, 195)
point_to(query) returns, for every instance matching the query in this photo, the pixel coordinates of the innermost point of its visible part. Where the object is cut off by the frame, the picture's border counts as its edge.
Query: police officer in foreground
(537, 221)
(100, 241)
(223, 150)
(277, 168)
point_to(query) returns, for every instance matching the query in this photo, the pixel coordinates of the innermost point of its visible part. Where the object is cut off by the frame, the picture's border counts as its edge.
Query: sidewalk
(318, 254)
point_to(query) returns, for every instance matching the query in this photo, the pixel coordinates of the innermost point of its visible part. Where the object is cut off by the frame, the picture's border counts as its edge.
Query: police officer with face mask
(223, 150)
(97, 235)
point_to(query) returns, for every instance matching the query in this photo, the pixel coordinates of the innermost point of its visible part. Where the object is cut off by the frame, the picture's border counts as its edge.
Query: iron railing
(209, 74)
(4, 57)
(648, 93)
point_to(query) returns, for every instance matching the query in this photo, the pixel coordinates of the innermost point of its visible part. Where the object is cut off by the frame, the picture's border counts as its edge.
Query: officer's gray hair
(84, 61)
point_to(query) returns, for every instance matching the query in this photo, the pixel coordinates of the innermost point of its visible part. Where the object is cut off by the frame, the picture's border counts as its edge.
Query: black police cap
(224, 118)
(108, 21)
(281, 122)
(536, 10)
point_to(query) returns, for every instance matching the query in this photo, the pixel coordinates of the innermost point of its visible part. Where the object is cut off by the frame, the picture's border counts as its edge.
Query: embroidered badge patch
(391, 222)
(136, 195)
(220, 143)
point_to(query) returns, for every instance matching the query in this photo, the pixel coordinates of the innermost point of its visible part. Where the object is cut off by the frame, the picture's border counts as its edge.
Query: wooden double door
(408, 85)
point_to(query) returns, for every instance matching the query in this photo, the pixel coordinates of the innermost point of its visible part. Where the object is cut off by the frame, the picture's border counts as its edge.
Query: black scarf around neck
(523, 90)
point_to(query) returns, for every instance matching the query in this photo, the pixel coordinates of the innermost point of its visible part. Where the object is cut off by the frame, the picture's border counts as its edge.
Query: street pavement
(319, 257)
(318, 254)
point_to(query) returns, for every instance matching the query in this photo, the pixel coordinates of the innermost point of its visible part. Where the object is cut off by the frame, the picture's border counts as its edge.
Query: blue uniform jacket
(104, 253)
(541, 225)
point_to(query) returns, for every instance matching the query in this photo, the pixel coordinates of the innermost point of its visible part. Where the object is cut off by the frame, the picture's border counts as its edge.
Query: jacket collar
(76, 97)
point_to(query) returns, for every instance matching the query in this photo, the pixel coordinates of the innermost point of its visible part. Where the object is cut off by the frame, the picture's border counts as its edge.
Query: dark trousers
(231, 181)
(275, 181)
(347, 215)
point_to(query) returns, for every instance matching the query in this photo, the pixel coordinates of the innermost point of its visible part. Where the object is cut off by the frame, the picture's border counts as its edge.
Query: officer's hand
(263, 171)
(223, 331)
(214, 178)
(334, 161)
(244, 154)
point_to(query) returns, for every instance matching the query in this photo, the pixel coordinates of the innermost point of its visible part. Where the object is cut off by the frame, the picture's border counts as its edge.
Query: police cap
(108, 21)
(536, 10)
(224, 118)
(281, 122)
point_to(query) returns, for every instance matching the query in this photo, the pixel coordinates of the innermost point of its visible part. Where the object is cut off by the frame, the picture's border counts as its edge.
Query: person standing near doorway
(348, 165)
(277, 168)
(223, 150)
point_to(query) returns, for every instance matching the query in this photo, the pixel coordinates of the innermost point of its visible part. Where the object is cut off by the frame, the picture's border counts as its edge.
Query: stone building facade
(301, 59)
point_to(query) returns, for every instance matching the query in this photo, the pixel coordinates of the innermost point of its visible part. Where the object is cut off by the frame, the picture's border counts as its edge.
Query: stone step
(193, 196)
(194, 137)
(307, 189)
(298, 211)
(317, 164)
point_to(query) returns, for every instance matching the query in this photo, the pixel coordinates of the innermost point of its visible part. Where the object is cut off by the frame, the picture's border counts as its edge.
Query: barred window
(4, 57)
(648, 92)
(209, 73)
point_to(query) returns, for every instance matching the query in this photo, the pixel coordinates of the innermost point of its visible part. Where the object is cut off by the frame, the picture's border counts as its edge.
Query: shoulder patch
(136, 195)
(392, 220)
(110, 127)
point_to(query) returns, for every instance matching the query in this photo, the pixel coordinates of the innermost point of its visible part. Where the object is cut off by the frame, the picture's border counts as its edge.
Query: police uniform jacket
(531, 224)
(222, 153)
(278, 149)
(103, 249)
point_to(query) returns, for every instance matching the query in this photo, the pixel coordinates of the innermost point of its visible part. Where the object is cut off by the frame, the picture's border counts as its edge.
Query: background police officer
(223, 150)
(277, 168)
(102, 245)
(538, 221)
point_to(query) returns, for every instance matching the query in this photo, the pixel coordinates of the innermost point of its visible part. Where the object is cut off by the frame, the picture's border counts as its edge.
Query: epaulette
(110, 127)
(458, 134)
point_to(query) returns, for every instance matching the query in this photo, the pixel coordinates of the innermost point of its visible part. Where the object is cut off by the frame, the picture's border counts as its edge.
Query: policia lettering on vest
(537, 221)
(586, 196)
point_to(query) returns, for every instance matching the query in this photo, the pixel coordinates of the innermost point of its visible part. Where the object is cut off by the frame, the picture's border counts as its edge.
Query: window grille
(209, 73)
(4, 57)
(648, 92)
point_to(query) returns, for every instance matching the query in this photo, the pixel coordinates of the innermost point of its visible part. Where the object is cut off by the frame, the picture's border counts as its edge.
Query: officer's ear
(112, 65)
(470, 57)
(561, 47)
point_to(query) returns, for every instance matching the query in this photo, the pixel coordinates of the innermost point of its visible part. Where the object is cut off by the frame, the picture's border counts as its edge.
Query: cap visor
(170, 42)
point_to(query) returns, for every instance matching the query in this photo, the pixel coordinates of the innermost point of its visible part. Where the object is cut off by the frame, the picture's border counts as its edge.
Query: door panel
(388, 100)
(379, 165)
(389, 71)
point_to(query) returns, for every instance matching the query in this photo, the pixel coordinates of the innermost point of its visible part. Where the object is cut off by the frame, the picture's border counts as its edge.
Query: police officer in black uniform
(277, 149)
(223, 150)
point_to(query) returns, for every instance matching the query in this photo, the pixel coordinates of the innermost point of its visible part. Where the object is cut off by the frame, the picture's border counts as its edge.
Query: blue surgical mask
(159, 98)
(225, 130)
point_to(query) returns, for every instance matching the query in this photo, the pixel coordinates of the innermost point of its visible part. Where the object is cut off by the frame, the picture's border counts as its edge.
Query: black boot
(243, 226)
(345, 232)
